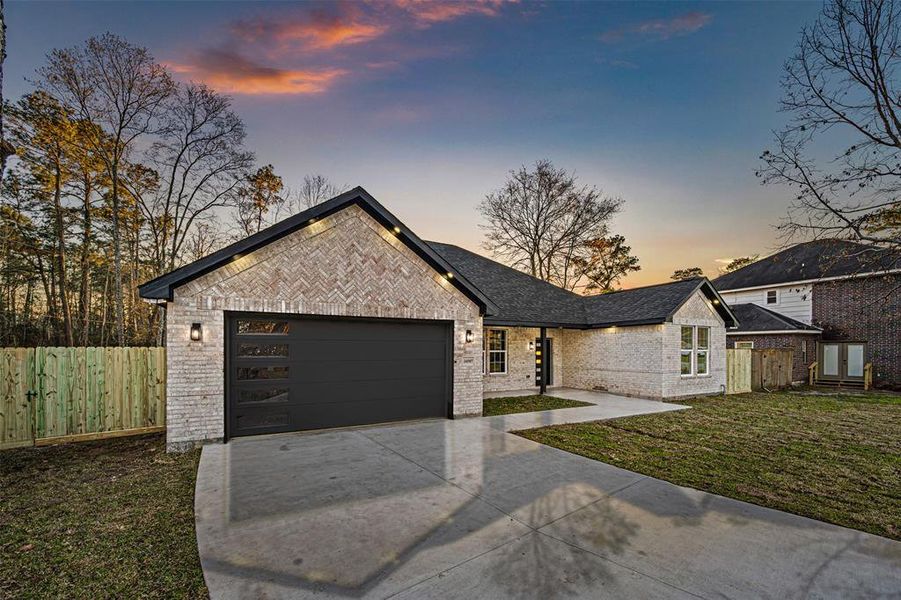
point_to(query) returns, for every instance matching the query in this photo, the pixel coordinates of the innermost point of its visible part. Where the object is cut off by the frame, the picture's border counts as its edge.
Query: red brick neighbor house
(833, 302)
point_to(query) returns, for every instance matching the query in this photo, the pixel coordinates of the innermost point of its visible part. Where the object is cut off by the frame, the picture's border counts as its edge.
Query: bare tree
(541, 220)
(316, 189)
(205, 239)
(197, 166)
(688, 273)
(843, 80)
(6, 149)
(121, 89)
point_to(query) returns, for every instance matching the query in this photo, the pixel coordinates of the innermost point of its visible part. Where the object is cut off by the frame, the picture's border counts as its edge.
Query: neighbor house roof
(523, 300)
(162, 287)
(811, 260)
(754, 318)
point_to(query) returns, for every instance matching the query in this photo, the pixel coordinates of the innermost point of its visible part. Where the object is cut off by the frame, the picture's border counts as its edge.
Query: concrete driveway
(462, 509)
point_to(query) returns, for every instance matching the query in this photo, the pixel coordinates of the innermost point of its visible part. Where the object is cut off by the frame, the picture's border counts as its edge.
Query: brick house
(833, 302)
(340, 315)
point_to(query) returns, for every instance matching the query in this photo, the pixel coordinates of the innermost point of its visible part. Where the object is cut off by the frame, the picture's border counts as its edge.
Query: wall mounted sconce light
(469, 336)
(531, 346)
(196, 332)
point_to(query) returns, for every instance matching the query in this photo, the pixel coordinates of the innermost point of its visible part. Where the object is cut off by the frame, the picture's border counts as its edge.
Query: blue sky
(428, 105)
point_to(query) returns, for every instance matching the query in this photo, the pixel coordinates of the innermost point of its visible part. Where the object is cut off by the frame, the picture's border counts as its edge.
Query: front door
(548, 356)
(842, 361)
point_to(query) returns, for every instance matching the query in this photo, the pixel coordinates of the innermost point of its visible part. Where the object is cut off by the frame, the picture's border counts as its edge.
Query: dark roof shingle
(753, 317)
(810, 260)
(525, 300)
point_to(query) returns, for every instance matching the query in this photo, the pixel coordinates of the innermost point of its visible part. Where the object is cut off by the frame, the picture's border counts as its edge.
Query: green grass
(108, 519)
(833, 458)
(491, 407)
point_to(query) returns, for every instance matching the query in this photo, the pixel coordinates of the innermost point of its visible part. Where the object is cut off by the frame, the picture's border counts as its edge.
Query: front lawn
(108, 519)
(833, 458)
(491, 407)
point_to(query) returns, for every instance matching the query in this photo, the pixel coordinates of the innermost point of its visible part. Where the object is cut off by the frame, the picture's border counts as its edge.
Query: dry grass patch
(492, 407)
(833, 458)
(109, 519)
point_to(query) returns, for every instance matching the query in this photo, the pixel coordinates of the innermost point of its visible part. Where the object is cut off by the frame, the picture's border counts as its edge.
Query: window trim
(690, 352)
(694, 351)
(699, 351)
(766, 297)
(751, 347)
(487, 352)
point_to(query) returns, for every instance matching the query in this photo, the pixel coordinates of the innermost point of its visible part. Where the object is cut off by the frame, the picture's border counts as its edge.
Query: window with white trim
(772, 296)
(702, 365)
(496, 343)
(687, 351)
(694, 351)
(746, 345)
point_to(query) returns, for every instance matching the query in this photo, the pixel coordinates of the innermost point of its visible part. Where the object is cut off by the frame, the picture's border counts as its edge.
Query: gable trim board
(162, 287)
(777, 332)
(771, 286)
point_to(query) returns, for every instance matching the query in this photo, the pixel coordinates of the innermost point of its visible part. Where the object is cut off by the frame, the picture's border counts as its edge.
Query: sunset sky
(429, 105)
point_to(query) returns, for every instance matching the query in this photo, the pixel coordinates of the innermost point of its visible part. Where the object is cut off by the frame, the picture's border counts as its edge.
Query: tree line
(119, 174)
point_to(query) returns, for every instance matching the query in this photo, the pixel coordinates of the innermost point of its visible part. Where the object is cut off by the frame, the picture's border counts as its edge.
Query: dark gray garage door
(287, 374)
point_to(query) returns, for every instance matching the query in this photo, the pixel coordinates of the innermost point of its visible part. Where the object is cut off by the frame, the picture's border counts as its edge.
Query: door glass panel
(252, 350)
(262, 395)
(260, 326)
(855, 360)
(830, 359)
(251, 373)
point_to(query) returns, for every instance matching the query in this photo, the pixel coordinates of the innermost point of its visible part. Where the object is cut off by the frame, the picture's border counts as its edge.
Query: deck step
(840, 384)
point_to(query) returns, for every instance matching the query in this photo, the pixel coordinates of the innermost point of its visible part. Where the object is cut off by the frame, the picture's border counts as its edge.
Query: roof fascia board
(777, 332)
(161, 289)
(805, 281)
(720, 304)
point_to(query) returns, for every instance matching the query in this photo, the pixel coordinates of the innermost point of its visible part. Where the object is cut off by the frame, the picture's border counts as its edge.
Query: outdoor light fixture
(196, 332)
(469, 336)
(715, 301)
(396, 229)
(531, 346)
(450, 275)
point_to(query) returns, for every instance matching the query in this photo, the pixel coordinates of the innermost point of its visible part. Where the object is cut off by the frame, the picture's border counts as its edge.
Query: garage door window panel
(262, 327)
(270, 395)
(262, 350)
(254, 373)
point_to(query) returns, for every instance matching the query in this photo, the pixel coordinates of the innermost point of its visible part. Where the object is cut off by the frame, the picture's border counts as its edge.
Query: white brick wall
(520, 373)
(696, 311)
(344, 265)
(644, 360)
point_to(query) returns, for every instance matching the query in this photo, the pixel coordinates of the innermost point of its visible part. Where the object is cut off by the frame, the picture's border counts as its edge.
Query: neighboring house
(340, 315)
(833, 302)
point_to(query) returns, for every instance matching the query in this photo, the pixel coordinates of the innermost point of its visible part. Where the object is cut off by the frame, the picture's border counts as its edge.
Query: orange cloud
(317, 31)
(232, 73)
(427, 12)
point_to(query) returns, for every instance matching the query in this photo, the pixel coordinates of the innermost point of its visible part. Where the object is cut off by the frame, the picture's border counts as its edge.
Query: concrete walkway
(462, 509)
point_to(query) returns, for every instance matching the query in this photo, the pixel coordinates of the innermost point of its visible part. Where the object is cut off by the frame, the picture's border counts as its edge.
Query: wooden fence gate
(738, 371)
(49, 395)
(771, 369)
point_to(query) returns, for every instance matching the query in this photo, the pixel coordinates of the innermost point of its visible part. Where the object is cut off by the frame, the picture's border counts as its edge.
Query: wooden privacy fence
(738, 370)
(49, 395)
(771, 369)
